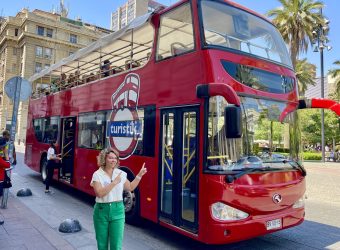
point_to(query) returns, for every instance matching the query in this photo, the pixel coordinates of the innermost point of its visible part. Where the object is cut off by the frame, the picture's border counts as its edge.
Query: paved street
(43, 213)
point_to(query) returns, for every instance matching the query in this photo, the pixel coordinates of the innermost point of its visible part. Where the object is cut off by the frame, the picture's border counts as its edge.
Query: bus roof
(99, 45)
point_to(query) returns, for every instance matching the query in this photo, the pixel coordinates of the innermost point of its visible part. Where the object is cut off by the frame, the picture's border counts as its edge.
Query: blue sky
(98, 12)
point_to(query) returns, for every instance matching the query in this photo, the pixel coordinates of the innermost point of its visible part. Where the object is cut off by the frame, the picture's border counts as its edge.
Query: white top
(116, 194)
(50, 153)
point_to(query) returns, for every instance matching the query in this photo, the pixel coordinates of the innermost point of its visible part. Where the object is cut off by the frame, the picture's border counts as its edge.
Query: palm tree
(296, 20)
(305, 74)
(335, 73)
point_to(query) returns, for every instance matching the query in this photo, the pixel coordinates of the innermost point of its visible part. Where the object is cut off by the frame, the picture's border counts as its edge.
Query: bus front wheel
(43, 167)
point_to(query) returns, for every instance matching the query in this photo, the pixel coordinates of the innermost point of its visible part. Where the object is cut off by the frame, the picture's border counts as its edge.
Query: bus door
(179, 167)
(67, 148)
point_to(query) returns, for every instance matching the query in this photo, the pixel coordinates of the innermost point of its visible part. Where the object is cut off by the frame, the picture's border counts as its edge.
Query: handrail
(79, 79)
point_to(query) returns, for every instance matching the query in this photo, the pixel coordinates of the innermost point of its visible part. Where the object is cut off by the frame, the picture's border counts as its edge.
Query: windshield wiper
(294, 164)
(231, 177)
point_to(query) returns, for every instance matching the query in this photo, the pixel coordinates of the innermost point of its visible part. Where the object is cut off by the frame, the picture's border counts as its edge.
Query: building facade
(32, 41)
(315, 91)
(130, 10)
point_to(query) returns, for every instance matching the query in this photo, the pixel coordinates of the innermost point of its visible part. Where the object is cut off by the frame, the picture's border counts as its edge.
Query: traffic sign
(12, 84)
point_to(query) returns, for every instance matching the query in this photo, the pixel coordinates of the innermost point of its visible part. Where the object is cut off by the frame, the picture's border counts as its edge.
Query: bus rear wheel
(43, 167)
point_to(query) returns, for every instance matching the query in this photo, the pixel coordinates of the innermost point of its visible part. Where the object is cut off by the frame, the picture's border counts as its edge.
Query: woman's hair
(101, 158)
(52, 142)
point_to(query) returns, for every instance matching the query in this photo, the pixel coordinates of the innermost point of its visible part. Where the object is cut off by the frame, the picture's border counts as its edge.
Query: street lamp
(320, 40)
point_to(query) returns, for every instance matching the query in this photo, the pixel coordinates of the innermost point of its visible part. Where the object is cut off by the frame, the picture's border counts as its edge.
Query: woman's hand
(142, 171)
(117, 179)
(130, 186)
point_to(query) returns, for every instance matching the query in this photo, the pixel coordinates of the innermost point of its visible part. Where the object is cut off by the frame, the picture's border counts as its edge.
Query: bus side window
(146, 143)
(176, 34)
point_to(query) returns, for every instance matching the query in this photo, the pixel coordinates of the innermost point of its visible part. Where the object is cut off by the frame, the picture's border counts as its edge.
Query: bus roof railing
(93, 47)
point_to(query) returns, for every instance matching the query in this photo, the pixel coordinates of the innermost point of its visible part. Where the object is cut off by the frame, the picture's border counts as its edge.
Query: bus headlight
(222, 211)
(299, 203)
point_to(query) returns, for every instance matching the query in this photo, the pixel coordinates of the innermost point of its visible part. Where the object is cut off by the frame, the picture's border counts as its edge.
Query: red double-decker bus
(204, 93)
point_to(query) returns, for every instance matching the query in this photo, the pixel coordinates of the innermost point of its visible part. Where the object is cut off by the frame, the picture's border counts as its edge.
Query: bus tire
(131, 202)
(43, 168)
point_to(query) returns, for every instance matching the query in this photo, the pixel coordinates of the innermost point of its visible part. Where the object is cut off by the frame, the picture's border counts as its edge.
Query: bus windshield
(265, 143)
(229, 27)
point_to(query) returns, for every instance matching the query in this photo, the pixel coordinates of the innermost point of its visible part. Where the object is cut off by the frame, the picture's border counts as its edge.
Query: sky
(99, 13)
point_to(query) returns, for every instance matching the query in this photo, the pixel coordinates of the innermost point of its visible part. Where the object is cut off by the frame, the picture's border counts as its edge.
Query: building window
(38, 51)
(47, 65)
(38, 67)
(73, 38)
(70, 53)
(48, 53)
(16, 32)
(40, 31)
(49, 32)
(14, 68)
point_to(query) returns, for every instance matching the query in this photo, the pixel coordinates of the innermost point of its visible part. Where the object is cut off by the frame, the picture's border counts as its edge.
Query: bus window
(221, 151)
(46, 129)
(38, 129)
(176, 35)
(91, 132)
(228, 27)
(146, 143)
(51, 128)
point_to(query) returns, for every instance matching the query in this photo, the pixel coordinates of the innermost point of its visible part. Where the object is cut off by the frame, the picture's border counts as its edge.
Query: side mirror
(233, 121)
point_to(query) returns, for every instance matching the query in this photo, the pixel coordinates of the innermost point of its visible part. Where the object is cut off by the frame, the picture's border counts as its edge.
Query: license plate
(274, 224)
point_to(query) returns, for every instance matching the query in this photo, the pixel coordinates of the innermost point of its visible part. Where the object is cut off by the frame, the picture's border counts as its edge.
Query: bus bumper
(223, 233)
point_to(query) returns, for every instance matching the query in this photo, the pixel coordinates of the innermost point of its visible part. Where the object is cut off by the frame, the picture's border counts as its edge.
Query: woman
(51, 165)
(108, 183)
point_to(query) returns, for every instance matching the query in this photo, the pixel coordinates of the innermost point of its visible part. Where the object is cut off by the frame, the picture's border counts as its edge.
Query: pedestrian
(52, 163)
(108, 183)
(3, 165)
(7, 136)
(4, 150)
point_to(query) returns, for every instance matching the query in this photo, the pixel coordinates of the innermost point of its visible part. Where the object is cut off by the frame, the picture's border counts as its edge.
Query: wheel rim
(129, 200)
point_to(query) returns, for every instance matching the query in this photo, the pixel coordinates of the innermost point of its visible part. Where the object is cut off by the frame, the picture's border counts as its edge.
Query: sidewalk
(322, 164)
(23, 229)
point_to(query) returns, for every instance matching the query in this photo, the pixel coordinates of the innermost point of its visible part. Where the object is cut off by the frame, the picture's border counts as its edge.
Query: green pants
(109, 220)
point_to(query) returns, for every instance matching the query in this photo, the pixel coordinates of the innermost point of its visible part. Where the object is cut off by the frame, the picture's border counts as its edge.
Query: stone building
(32, 41)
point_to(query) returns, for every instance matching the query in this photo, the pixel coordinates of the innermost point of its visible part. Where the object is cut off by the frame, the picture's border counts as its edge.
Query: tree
(296, 20)
(305, 74)
(335, 73)
(311, 124)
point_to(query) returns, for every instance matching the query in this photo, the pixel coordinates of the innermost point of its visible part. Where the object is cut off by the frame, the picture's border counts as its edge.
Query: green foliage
(305, 74)
(311, 126)
(296, 20)
(335, 73)
(283, 151)
(310, 156)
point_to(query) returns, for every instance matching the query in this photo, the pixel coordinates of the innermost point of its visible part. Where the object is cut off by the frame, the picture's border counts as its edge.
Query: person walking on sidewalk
(52, 163)
(3, 165)
(108, 183)
(7, 136)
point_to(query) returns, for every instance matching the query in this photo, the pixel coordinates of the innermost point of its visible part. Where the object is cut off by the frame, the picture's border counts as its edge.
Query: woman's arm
(130, 186)
(101, 191)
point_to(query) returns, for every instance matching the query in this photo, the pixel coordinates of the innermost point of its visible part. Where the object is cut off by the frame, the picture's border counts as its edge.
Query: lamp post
(320, 40)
